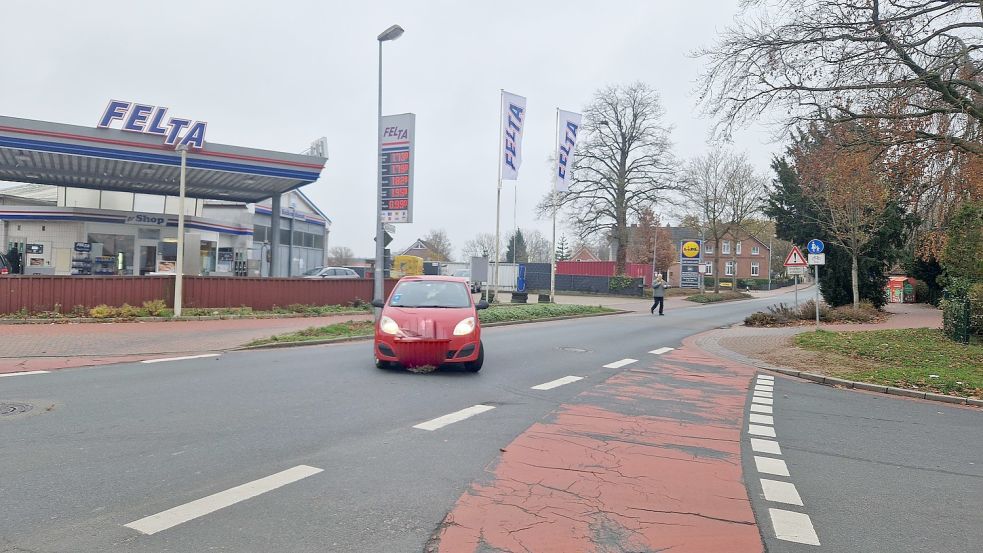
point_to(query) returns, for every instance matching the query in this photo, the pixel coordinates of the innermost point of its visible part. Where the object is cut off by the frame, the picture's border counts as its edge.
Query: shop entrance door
(148, 258)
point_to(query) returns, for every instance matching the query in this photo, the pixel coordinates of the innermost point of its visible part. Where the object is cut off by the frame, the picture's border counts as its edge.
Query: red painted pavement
(647, 461)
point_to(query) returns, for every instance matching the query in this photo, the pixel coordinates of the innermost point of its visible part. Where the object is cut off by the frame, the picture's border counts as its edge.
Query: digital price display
(396, 161)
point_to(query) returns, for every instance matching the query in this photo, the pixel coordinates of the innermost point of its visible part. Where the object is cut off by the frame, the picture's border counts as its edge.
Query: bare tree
(341, 256)
(537, 246)
(724, 193)
(483, 244)
(439, 244)
(624, 165)
(914, 66)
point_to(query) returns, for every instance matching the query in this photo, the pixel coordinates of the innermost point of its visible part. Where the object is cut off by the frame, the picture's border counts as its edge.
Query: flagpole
(498, 200)
(556, 133)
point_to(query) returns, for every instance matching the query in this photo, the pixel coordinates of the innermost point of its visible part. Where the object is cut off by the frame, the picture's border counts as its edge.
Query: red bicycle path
(649, 460)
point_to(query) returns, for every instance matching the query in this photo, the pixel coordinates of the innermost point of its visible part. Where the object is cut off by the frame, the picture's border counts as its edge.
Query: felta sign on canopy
(147, 119)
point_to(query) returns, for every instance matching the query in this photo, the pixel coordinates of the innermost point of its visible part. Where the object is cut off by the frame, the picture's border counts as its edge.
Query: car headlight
(388, 325)
(464, 327)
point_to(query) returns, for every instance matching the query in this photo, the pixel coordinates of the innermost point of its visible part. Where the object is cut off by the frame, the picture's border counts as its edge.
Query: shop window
(319, 241)
(284, 236)
(148, 234)
(755, 271)
(261, 234)
(308, 240)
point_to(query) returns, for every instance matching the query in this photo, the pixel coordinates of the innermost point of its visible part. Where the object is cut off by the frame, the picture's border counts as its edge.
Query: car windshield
(314, 271)
(430, 293)
(463, 274)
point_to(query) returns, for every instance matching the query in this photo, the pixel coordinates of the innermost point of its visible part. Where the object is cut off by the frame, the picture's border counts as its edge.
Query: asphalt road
(107, 446)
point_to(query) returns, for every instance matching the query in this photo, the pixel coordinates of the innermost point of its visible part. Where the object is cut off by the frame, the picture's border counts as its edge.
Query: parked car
(330, 272)
(6, 267)
(429, 320)
(474, 286)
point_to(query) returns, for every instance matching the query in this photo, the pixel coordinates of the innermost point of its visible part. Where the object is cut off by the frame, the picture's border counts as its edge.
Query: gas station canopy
(40, 152)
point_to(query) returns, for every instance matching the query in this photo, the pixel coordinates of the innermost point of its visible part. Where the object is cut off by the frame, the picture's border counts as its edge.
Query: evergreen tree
(517, 252)
(562, 249)
(794, 218)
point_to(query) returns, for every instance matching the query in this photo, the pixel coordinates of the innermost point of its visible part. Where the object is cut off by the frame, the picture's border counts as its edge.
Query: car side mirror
(481, 305)
(378, 303)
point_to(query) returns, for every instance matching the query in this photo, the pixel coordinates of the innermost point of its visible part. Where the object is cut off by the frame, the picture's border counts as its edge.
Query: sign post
(795, 264)
(690, 255)
(816, 258)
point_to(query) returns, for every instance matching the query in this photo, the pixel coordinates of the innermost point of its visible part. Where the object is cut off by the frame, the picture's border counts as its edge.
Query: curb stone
(91, 320)
(275, 345)
(831, 381)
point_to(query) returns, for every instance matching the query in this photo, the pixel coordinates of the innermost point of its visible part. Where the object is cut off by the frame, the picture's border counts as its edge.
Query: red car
(429, 320)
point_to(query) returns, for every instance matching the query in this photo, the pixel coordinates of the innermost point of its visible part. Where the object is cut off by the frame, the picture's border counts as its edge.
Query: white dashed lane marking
(201, 507)
(181, 358)
(759, 430)
(762, 388)
(619, 364)
(755, 408)
(765, 446)
(660, 351)
(762, 400)
(780, 492)
(557, 383)
(451, 418)
(761, 419)
(759, 393)
(794, 527)
(769, 465)
(766, 377)
(23, 373)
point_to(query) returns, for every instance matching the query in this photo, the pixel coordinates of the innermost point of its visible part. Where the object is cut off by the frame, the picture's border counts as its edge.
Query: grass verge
(347, 329)
(723, 296)
(535, 311)
(910, 358)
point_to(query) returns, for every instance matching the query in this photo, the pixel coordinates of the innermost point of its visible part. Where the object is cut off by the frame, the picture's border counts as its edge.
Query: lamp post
(179, 269)
(392, 33)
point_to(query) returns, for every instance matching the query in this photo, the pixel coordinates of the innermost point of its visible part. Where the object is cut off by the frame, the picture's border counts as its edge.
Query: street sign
(817, 259)
(795, 258)
(815, 246)
(690, 255)
(396, 161)
(796, 270)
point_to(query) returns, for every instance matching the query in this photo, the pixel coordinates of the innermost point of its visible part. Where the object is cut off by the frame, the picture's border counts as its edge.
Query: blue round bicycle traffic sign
(815, 246)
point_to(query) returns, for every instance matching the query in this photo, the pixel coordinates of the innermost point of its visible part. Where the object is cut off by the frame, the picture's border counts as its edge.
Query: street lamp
(392, 33)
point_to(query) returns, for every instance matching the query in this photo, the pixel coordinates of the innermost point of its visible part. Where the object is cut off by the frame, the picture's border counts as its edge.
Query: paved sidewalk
(58, 346)
(642, 305)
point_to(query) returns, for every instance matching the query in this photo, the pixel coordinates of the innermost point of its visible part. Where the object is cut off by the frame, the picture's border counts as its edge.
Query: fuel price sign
(396, 160)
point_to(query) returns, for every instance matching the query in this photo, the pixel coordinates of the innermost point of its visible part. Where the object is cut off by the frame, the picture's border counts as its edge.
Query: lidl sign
(147, 119)
(690, 249)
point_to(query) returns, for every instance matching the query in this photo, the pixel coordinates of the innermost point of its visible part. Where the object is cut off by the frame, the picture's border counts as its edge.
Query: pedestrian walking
(658, 294)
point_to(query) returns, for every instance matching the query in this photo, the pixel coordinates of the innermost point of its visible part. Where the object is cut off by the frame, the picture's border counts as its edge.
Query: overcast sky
(277, 75)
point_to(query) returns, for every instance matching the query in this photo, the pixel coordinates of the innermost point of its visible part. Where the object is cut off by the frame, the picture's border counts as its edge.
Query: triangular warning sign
(795, 258)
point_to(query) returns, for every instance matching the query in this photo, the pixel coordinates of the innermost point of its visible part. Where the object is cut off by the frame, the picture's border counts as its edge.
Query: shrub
(128, 311)
(102, 311)
(807, 312)
(154, 308)
(864, 313)
(620, 282)
(783, 313)
(762, 319)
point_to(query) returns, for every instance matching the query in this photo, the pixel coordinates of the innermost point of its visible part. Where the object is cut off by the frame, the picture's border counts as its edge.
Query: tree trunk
(716, 265)
(855, 277)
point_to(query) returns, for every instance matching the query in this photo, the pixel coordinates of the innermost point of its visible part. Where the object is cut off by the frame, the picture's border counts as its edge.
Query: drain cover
(14, 408)
(575, 350)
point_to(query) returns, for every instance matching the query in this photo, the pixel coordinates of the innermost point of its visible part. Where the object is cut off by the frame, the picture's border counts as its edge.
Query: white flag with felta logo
(567, 127)
(513, 121)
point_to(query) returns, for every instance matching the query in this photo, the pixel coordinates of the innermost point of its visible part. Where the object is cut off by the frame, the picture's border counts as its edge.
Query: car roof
(434, 277)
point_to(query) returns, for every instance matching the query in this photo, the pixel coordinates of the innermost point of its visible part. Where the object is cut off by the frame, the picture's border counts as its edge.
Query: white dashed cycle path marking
(789, 525)
(457, 416)
(23, 373)
(557, 383)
